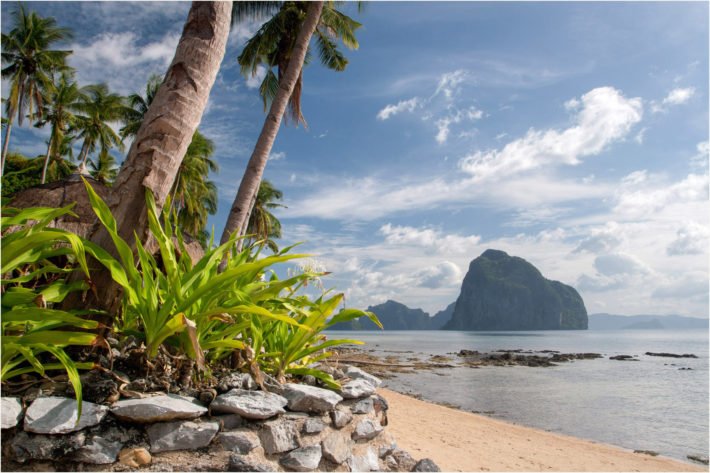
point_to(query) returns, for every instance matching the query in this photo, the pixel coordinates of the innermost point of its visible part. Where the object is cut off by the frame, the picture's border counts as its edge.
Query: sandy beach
(461, 441)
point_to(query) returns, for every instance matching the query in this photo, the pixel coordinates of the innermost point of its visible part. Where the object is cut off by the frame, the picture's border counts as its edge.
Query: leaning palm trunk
(248, 188)
(82, 158)
(46, 159)
(154, 158)
(6, 143)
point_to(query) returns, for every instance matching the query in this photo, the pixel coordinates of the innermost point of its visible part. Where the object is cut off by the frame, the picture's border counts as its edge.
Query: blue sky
(574, 135)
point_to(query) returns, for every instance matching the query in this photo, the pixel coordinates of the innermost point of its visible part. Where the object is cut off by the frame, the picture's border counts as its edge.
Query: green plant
(193, 308)
(32, 281)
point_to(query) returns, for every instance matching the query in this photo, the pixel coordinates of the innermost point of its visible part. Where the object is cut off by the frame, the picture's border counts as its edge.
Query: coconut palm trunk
(46, 159)
(154, 158)
(6, 143)
(248, 188)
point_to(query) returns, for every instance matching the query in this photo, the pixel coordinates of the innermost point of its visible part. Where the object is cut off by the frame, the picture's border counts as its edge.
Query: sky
(571, 134)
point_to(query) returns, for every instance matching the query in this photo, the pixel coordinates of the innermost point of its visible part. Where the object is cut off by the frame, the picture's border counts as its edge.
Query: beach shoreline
(458, 440)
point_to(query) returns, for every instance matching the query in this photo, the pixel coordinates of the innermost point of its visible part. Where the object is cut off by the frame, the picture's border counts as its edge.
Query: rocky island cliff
(503, 292)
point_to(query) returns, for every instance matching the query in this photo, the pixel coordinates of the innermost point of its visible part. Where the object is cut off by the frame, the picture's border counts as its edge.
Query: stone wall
(292, 427)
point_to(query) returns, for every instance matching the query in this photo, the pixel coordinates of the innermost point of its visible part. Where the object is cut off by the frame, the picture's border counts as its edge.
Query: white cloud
(692, 239)
(443, 124)
(449, 82)
(606, 116)
(601, 240)
(619, 264)
(700, 160)
(428, 238)
(255, 80)
(679, 96)
(443, 274)
(122, 60)
(277, 156)
(635, 201)
(402, 106)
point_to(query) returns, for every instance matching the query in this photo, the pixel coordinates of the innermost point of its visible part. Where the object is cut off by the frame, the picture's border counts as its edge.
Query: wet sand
(461, 441)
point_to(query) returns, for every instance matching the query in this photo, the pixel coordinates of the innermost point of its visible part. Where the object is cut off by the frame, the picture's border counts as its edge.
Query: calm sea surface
(648, 404)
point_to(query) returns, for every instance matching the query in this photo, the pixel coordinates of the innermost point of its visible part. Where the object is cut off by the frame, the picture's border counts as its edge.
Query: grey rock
(11, 409)
(336, 447)
(356, 373)
(26, 447)
(367, 462)
(338, 373)
(278, 436)
(230, 421)
(243, 463)
(364, 406)
(390, 463)
(249, 404)
(302, 459)
(380, 403)
(357, 388)
(367, 429)
(386, 450)
(310, 380)
(158, 409)
(239, 442)
(98, 451)
(304, 398)
(341, 418)
(181, 435)
(426, 464)
(238, 381)
(313, 425)
(58, 415)
(405, 462)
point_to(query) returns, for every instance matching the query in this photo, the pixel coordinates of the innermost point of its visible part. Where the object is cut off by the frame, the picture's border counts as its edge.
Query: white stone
(181, 435)
(302, 459)
(249, 404)
(11, 409)
(158, 409)
(58, 415)
(304, 398)
(357, 388)
(357, 373)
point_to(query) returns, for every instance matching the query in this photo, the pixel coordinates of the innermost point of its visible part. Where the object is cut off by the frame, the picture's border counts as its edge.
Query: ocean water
(650, 404)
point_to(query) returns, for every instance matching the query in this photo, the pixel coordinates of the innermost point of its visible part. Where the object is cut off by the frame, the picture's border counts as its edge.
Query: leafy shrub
(31, 282)
(207, 314)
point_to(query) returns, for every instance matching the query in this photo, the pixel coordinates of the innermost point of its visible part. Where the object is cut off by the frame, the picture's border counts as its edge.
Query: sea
(650, 404)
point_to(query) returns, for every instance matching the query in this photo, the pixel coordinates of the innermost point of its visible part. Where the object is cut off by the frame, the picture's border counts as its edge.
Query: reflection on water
(650, 404)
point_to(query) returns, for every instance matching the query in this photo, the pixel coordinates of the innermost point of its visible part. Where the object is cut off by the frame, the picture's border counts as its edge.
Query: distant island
(503, 292)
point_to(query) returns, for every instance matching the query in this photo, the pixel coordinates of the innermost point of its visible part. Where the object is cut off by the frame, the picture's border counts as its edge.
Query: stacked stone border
(291, 427)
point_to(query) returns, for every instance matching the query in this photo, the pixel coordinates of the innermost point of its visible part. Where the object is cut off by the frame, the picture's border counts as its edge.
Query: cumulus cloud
(443, 274)
(122, 59)
(679, 96)
(443, 124)
(633, 201)
(402, 106)
(700, 160)
(449, 82)
(691, 239)
(619, 264)
(605, 116)
(428, 238)
(601, 240)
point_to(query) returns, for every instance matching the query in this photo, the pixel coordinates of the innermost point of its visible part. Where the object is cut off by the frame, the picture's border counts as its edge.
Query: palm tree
(161, 141)
(28, 65)
(249, 186)
(58, 167)
(60, 99)
(138, 107)
(262, 223)
(272, 46)
(193, 196)
(104, 169)
(99, 109)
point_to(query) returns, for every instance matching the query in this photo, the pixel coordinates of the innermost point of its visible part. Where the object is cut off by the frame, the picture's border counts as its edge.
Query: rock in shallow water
(302, 459)
(356, 373)
(158, 409)
(57, 415)
(250, 404)
(357, 388)
(304, 398)
(181, 435)
(11, 409)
